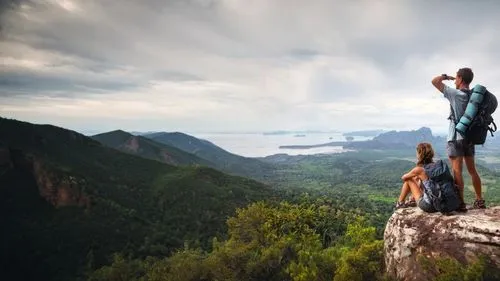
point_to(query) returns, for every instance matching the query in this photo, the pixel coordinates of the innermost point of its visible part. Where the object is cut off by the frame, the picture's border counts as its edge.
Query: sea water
(261, 145)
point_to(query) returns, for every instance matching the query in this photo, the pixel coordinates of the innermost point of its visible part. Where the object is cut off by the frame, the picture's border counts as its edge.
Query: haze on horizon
(228, 65)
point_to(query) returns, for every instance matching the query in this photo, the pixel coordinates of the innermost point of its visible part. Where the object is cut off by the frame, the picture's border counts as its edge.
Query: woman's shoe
(401, 205)
(411, 203)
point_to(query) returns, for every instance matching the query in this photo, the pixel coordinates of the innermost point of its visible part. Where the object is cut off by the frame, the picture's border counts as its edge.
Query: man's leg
(456, 166)
(469, 153)
(476, 180)
(455, 154)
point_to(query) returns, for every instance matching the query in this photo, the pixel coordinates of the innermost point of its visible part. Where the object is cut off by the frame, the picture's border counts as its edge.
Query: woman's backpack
(442, 191)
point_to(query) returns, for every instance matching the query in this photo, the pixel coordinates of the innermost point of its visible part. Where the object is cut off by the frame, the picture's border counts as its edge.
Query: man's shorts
(460, 148)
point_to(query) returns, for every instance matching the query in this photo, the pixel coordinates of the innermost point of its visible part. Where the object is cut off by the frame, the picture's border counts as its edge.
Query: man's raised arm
(438, 81)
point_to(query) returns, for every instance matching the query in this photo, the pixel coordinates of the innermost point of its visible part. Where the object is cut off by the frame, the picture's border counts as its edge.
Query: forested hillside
(67, 201)
(222, 159)
(147, 148)
(76, 209)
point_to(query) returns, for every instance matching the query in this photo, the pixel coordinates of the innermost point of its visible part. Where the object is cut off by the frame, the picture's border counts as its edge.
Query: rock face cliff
(57, 188)
(412, 237)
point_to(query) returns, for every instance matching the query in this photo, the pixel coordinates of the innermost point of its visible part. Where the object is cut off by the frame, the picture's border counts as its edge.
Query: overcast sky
(234, 65)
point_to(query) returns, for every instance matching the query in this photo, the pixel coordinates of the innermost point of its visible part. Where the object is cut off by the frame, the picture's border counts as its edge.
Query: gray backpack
(443, 194)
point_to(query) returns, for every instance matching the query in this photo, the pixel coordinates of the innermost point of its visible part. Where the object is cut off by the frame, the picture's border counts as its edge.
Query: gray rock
(411, 232)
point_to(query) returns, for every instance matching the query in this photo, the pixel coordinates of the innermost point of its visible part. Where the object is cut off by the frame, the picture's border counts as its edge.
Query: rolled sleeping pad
(475, 100)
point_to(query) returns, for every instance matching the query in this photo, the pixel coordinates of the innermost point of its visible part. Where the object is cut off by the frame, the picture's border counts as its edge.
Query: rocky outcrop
(412, 234)
(59, 189)
(132, 144)
(167, 158)
(56, 187)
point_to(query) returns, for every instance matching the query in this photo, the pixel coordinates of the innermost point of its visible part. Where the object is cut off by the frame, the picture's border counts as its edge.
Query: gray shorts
(460, 148)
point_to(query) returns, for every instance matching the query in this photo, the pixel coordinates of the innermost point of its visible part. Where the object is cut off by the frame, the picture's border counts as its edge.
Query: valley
(83, 203)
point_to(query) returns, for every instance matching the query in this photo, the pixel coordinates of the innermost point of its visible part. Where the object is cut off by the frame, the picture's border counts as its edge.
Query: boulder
(413, 240)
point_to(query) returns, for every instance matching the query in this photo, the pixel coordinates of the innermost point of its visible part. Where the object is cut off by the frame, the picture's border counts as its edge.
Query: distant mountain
(285, 132)
(136, 133)
(410, 138)
(366, 133)
(67, 203)
(147, 148)
(223, 160)
(386, 141)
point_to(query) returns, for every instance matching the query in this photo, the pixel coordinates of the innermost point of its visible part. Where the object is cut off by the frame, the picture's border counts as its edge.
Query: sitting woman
(422, 187)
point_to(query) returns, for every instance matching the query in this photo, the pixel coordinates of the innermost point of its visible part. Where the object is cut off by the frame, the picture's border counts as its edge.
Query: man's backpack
(441, 189)
(476, 120)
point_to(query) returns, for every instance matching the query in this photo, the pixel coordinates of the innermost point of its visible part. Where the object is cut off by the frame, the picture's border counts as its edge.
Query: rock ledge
(411, 233)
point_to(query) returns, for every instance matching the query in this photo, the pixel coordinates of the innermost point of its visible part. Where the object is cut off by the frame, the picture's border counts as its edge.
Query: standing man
(459, 149)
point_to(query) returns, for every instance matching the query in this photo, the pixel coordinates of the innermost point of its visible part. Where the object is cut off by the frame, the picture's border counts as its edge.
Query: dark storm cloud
(15, 84)
(9, 5)
(108, 36)
(274, 60)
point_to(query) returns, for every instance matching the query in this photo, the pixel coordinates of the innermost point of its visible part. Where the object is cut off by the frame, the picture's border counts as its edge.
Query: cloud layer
(228, 65)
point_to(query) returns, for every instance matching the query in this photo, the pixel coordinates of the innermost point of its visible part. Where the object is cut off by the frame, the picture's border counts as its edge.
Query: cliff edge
(416, 243)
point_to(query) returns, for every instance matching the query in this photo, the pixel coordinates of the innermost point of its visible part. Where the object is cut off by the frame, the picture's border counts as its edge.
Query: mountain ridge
(68, 198)
(148, 148)
(223, 159)
(387, 140)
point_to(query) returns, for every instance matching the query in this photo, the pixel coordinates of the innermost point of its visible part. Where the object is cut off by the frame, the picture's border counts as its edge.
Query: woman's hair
(424, 153)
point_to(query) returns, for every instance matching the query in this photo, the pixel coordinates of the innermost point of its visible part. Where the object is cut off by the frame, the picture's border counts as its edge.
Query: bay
(261, 145)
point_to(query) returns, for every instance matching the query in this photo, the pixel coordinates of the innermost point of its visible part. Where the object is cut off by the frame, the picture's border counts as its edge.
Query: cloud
(235, 65)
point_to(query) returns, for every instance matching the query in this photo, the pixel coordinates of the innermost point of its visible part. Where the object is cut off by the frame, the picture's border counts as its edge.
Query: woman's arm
(415, 172)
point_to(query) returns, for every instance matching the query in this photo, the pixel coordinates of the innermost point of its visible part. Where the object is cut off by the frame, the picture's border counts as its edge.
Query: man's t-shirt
(458, 101)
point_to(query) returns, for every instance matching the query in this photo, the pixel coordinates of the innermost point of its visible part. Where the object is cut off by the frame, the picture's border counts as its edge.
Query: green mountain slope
(224, 160)
(67, 203)
(148, 148)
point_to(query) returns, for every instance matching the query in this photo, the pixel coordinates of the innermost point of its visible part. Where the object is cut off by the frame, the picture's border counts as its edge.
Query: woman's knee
(410, 181)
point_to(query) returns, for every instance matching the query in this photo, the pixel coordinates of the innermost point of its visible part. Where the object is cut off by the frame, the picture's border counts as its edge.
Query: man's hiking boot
(462, 208)
(479, 204)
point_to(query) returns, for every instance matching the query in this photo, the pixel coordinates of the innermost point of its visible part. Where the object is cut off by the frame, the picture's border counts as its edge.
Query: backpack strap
(452, 113)
(494, 129)
(452, 116)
